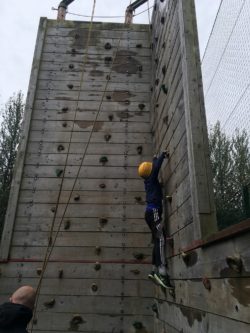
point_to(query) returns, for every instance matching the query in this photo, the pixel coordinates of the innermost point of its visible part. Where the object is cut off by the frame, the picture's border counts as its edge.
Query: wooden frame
(17, 175)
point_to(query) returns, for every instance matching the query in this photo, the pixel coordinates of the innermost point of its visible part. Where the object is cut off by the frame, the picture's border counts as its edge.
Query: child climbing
(149, 172)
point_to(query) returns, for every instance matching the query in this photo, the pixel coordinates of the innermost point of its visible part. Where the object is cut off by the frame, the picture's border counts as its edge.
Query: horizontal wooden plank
(107, 172)
(119, 92)
(87, 197)
(96, 304)
(100, 149)
(89, 160)
(86, 126)
(96, 137)
(60, 105)
(71, 238)
(80, 253)
(126, 66)
(93, 323)
(80, 225)
(76, 271)
(132, 185)
(72, 75)
(83, 210)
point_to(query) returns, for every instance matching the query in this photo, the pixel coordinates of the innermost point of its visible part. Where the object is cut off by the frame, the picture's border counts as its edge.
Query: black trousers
(153, 219)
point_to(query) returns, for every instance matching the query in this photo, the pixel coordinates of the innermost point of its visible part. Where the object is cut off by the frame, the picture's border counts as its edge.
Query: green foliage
(230, 158)
(10, 129)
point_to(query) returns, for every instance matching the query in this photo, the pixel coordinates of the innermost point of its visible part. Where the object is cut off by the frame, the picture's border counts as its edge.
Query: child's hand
(166, 153)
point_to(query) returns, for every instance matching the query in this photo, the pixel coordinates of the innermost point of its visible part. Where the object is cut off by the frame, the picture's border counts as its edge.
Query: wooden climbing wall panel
(98, 267)
(210, 295)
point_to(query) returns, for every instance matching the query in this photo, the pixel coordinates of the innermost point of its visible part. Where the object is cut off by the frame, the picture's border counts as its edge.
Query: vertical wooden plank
(15, 186)
(198, 153)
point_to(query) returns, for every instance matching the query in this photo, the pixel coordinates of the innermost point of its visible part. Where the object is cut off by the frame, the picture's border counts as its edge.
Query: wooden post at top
(61, 14)
(129, 15)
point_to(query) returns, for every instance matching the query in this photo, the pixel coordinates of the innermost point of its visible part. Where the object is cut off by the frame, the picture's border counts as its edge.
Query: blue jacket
(152, 185)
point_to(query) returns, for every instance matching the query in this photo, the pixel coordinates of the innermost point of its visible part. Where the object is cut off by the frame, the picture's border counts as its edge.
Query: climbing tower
(104, 97)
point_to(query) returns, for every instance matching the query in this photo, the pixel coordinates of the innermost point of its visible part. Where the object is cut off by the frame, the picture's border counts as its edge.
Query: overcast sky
(18, 29)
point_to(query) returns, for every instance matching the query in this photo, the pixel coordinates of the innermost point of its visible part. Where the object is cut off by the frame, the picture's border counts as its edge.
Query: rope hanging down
(50, 248)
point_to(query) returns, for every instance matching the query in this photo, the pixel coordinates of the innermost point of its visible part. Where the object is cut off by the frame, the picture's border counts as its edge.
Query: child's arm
(157, 162)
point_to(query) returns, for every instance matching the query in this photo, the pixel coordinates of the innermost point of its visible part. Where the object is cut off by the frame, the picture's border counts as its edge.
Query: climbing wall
(87, 97)
(210, 270)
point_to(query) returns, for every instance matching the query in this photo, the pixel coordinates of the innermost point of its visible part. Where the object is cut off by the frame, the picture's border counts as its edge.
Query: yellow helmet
(144, 169)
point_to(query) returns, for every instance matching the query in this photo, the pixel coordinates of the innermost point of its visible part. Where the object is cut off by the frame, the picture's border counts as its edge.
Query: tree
(10, 130)
(230, 159)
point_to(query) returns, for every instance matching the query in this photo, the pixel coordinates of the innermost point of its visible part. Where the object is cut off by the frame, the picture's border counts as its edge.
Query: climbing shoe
(151, 277)
(163, 280)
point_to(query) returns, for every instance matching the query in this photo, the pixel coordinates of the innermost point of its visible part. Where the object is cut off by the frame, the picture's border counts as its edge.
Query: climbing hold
(163, 20)
(108, 97)
(60, 273)
(64, 124)
(75, 322)
(169, 198)
(107, 60)
(70, 86)
(140, 68)
(157, 82)
(138, 325)
(67, 225)
(94, 287)
(98, 250)
(151, 26)
(207, 283)
(77, 197)
(60, 148)
(156, 105)
(141, 106)
(139, 150)
(156, 61)
(171, 292)
(102, 186)
(165, 120)
(135, 271)
(111, 117)
(103, 221)
(107, 137)
(138, 199)
(53, 209)
(235, 263)
(108, 77)
(39, 271)
(139, 256)
(108, 46)
(50, 304)
(164, 89)
(151, 89)
(156, 39)
(73, 51)
(138, 46)
(71, 66)
(59, 172)
(154, 308)
(185, 257)
(97, 266)
(77, 36)
(164, 45)
(65, 109)
(103, 160)
(164, 69)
